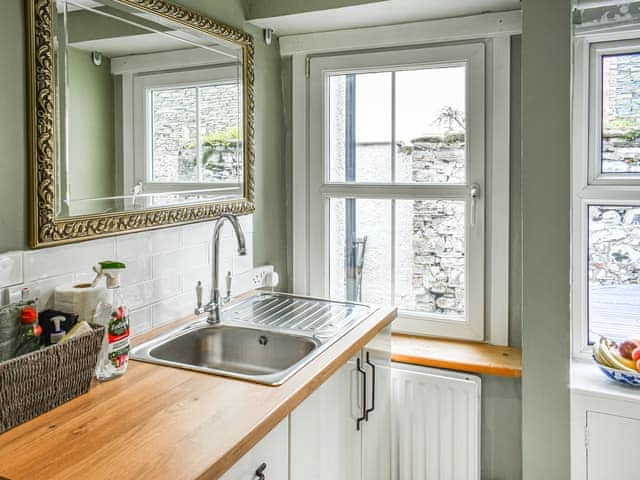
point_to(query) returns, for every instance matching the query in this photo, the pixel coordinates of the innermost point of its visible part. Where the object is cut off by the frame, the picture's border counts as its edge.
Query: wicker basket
(37, 382)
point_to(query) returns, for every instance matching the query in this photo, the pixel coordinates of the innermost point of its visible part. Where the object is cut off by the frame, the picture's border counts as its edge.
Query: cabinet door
(325, 444)
(272, 450)
(377, 429)
(612, 447)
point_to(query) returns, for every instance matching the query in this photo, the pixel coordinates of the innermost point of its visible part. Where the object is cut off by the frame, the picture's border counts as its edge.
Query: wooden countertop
(457, 355)
(165, 423)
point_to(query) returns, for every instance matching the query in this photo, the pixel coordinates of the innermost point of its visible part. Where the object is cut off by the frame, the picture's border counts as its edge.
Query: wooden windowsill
(458, 355)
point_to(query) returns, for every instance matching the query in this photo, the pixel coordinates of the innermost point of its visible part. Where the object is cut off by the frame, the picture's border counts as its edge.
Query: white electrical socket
(263, 276)
(15, 293)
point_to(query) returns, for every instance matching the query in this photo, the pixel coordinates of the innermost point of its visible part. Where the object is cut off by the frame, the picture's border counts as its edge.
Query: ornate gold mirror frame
(46, 229)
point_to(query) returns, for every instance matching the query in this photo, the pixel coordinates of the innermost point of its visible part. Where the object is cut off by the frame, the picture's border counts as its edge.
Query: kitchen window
(606, 188)
(396, 184)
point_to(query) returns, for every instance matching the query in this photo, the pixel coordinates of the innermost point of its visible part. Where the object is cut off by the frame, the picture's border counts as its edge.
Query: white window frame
(139, 73)
(321, 188)
(494, 30)
(590, 186)
(143, 144)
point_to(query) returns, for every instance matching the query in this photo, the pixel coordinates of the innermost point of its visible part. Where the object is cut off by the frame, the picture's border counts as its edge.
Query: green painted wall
(546, 93)
(91, 128)
(501, 431)
(274, 8)
(502, 397)
(515, 198)
(269, 226)
(13, 127)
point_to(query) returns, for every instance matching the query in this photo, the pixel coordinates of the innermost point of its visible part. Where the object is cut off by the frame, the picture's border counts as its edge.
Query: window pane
(621, 113)
(361, 230)
(430, 258)
(426, 130)
(430, 125)
(174, 135)
(429, 248)
(360, 127)
(614, 272)
(221, 151)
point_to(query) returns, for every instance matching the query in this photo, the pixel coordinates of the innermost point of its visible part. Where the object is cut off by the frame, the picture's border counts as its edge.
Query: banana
(624, 361)
(597, 354)
(612, 358)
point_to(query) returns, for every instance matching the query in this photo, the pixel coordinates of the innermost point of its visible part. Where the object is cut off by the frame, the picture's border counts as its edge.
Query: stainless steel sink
(246, 351)
(265, 338)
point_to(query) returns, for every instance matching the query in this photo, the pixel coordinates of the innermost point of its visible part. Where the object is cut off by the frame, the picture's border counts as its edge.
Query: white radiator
(436, 424)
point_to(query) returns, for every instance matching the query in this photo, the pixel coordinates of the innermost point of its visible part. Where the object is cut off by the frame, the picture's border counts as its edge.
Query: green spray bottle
(114, 354)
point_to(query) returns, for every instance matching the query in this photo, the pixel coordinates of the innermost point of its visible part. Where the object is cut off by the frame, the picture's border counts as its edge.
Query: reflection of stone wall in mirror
(154, 119)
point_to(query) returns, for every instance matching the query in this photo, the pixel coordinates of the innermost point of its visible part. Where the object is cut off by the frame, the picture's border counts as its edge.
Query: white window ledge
(587, 379)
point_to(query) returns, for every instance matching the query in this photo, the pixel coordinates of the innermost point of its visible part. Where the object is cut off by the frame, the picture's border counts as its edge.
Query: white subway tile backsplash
(74, 258)
(165, 240)
(246, 222)
(140, 321)
(197, 233)
(242, 282)
(10, 269)
(179, 261)
(133, 246)
(146, 293)
(226, 264)
(190, 278)
(137, 271)
(244, 263)
(171, 309)
(163, 267)
(83, 278)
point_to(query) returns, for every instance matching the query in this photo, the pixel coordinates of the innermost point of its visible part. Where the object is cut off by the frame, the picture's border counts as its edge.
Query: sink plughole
(266, 339)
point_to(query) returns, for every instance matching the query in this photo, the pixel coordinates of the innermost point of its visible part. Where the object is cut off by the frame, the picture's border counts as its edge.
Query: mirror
(141, 117)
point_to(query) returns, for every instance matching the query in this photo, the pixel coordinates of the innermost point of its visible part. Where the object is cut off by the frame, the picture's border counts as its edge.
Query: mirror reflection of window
(151, 112)
(194, 134)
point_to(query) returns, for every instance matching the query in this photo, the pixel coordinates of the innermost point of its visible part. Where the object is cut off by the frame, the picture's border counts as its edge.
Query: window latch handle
(474, 193)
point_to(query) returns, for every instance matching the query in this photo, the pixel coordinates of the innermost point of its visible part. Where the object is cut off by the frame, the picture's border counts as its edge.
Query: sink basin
(265, 338)
(239, 350)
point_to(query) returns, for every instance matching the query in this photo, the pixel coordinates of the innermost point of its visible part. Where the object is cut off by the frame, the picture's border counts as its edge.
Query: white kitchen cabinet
(376, 430)
(612, 446)
(272, 451)
(324, 441)
(605, 421)
(339, 434)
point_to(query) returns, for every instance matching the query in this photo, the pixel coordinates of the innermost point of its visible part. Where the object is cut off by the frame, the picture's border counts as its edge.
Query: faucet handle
(198, 296)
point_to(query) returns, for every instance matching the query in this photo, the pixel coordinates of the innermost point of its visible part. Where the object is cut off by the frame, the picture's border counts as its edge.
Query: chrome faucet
(216, 301)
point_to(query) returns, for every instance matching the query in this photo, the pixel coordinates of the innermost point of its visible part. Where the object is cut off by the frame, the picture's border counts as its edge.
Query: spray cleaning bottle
(114, 316)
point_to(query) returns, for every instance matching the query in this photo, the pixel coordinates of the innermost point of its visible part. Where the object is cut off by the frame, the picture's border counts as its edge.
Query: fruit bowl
(620, 376)
(619, 362)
